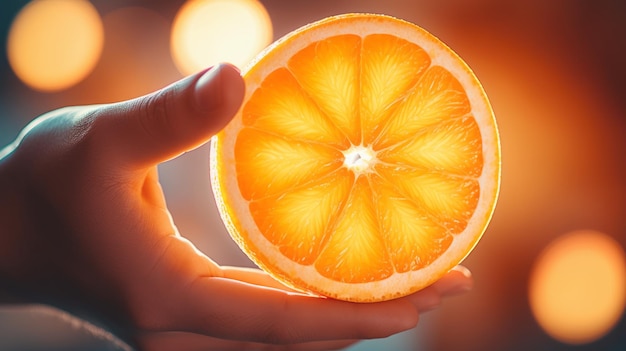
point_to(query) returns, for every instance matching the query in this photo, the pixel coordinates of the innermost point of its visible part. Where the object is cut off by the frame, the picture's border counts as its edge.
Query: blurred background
(550, 272)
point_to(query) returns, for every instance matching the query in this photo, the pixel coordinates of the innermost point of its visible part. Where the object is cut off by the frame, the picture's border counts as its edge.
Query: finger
(426, 299)
(174, 341)
(229, 309)
(457, 281)
(156, 127)
(253, 276)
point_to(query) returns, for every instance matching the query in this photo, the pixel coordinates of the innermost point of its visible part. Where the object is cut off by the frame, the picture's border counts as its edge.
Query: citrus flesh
(364, 163)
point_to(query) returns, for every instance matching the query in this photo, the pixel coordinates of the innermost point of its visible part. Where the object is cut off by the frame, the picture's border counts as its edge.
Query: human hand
(84, 227)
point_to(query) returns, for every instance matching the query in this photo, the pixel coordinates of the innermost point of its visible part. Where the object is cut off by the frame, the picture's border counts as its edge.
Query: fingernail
(208, 92)
(462, 269)
(458, 281)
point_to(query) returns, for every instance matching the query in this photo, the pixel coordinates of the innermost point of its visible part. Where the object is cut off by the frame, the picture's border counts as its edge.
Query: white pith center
(359, 159)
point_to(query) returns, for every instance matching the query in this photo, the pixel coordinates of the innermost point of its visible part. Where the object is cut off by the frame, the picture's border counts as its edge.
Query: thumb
(154, 128)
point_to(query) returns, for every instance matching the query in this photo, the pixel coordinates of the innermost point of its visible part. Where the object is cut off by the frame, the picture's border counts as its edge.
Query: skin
(85, 228)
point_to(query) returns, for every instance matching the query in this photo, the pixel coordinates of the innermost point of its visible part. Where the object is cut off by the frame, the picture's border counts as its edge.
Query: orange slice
(364, 163)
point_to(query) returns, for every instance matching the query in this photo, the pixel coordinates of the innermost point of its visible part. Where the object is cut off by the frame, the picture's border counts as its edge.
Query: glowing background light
(206, 32)
(578, 287)
(136, 56)
(53, 45)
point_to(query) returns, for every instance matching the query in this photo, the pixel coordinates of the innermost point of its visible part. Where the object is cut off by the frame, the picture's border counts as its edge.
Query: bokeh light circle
(207, 32)
(578, 287)
(54, 44)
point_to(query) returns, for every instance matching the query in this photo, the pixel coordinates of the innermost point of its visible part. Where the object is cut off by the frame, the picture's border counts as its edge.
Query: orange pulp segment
(364, 163)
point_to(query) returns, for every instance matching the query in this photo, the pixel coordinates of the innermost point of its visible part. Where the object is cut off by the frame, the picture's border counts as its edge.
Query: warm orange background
(555, 73)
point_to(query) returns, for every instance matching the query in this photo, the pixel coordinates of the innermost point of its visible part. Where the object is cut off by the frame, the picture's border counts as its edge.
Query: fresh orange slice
(364, 163)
